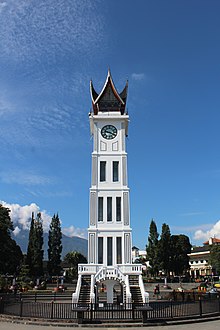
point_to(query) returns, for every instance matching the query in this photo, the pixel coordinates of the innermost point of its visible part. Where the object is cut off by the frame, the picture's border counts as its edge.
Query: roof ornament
(108, 99)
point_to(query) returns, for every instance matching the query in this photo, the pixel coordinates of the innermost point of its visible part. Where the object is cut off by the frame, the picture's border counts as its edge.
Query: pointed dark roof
(108, 99)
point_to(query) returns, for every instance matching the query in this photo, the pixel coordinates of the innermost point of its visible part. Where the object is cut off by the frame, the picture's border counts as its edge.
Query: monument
(109, 276)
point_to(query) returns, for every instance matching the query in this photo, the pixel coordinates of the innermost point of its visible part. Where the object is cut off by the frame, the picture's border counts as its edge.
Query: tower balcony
(111, 271)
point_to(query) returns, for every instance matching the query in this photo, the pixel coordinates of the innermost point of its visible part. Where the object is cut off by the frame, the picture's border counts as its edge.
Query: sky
(169, 51)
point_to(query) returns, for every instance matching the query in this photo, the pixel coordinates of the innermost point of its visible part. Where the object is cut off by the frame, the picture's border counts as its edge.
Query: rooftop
(212, 240)
(108, 99)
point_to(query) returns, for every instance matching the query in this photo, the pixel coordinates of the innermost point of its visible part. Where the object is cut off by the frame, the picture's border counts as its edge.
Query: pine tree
(35, 247)
(30, 248)
(152, 248)
(54, 246)
(39, 252)
(164, 249)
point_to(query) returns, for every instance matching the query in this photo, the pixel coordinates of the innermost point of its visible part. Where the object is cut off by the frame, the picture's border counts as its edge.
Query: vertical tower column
(109, 227)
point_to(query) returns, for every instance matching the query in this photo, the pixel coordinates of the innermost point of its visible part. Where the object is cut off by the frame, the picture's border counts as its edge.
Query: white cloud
(48, 193)
(2, 6)
(72, 231)
(204, 235)
(138, 76)
(30, 29)
(21, 218)
(5, 105)
(43, 45)
(192, 228)
(189, 214)
(55, 117)
(25, 178)
(16, 231)
(21, 215)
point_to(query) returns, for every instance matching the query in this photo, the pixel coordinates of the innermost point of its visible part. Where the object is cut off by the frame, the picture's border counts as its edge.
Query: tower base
(110, 284)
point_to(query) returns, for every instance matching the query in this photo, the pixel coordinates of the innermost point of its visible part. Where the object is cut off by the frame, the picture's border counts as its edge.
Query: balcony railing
(127, 269)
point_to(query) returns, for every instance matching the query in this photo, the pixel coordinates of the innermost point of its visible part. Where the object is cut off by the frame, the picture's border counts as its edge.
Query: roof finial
(109, 72)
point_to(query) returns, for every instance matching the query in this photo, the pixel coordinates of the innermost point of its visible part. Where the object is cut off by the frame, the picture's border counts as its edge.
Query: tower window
(100, 209)
(118, 250)
(100, 250)
(118, 208)
(102, 171)
(109, 251)
(115, 171)
(109, 208)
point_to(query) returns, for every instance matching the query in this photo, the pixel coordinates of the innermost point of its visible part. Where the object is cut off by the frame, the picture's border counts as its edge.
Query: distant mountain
(69, 243)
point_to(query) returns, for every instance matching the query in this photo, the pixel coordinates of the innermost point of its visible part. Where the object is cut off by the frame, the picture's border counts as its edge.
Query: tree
(6, 225)
(152, 248)
(73, 259)
(24, 273)
(30, 248)
(180, 248)
(11, 257)
(164, 249)
(54, 246)
(35, 247)
(10, 252)
(39, 252)
(215, 258)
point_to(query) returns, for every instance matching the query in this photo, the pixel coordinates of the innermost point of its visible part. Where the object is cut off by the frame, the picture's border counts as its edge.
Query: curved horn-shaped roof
(108, 99)
(94, 95)
(123, 94)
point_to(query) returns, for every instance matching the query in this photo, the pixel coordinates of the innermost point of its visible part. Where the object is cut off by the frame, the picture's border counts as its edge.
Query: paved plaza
(209, 325)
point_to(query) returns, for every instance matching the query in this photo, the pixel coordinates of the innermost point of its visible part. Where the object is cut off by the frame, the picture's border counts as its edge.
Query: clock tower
(109, 232)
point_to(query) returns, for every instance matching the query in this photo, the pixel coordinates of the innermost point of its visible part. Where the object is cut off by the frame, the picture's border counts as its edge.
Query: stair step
(136, 294)
(84, 295)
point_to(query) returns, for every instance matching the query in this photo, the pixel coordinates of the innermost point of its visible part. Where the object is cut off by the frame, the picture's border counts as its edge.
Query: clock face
(109, 132)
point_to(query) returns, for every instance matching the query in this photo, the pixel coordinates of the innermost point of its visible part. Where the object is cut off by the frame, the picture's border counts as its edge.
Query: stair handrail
(122, 276)
(116, 273)
(75, 296)
(98, 273)
(127, 290)
(145, 294)
(92, 294)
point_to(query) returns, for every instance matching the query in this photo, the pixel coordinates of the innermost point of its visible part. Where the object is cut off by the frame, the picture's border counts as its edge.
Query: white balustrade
(145, 295)
(109, 272)
(131, 269)
(128, 292)
(84, 269)
(75, 296)
(92, 293)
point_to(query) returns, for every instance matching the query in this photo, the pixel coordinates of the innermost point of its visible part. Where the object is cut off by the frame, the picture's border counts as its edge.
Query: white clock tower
(109, 232)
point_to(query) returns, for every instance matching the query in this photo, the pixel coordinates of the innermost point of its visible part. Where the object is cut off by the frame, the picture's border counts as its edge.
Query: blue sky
(169, 51)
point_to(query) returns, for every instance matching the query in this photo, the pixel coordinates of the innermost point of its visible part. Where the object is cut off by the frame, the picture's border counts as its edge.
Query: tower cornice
(111, 118)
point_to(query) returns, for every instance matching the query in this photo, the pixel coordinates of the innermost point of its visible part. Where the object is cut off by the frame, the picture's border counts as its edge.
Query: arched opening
(109, 291)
